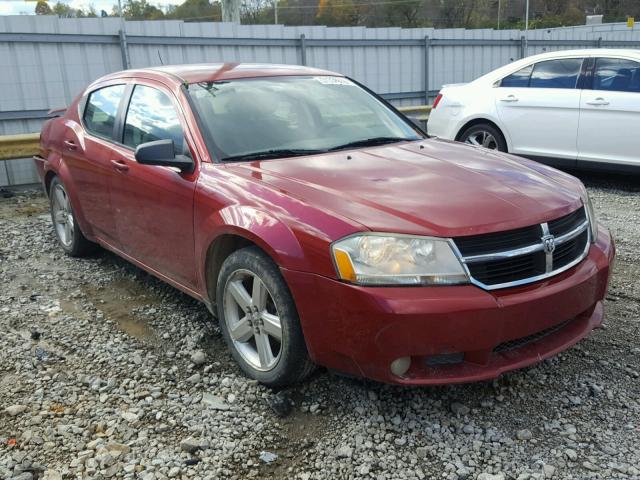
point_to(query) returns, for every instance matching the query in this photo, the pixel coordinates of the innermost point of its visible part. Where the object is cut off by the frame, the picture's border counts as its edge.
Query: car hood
(429, 187)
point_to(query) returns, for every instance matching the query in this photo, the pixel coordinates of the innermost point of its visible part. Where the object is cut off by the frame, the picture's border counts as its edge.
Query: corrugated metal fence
(47, 60)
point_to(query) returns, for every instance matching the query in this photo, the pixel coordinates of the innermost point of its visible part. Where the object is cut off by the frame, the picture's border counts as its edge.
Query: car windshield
(276, 117)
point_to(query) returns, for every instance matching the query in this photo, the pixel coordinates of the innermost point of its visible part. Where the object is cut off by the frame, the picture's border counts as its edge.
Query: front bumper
(361, 330)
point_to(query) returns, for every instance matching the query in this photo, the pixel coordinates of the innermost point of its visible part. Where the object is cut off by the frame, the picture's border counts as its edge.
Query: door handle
(70, 144)
(120, 165)
(598, 101)
(509, 98)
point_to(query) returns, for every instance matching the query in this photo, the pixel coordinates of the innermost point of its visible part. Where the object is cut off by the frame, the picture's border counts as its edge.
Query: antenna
(160, 57)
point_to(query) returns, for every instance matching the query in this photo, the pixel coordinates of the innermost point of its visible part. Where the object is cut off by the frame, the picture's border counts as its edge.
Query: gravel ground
(106, 372)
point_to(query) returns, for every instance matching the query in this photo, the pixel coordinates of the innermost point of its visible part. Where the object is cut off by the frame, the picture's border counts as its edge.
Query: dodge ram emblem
(549, 243)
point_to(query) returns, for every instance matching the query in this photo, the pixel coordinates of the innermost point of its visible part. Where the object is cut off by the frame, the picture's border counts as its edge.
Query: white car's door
(539, 107)
(610, 113)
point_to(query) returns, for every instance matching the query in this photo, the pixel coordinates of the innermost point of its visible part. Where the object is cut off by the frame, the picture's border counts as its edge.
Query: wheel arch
(239, 227)
(48, 178)
(480, 120)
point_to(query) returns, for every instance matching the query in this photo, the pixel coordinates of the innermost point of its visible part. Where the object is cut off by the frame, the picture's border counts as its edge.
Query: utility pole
(121, 15)
(526, 17)
(499, 5)
(231, 11)
(275, 11)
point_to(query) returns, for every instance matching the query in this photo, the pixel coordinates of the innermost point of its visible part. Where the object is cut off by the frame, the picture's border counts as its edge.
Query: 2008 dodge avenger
(324, 228)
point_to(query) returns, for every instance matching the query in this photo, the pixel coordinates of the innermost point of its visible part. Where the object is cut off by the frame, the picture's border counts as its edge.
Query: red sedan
(324, 228)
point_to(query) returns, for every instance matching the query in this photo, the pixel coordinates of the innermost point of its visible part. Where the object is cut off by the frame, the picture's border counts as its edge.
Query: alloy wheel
(482, 138)
(252, 320)
(62, 215)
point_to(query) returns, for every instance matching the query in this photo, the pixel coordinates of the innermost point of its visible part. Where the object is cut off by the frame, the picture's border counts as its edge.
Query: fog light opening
(400, 366)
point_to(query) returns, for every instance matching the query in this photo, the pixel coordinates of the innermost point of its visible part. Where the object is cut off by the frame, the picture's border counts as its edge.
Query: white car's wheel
(484, 135)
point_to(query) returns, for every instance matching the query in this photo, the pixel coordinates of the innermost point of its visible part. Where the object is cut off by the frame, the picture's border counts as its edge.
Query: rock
(524, 434)
(118, 447)
(571, 454)
(344, 452)
(195, 378)
(459, 408)
(215, 402)
(112, 470)
(281, 404)
(548, 470)
(23, 476)
(190, 445)
(130, 417)
(15, 410)
(268, 457)
(489, 476)
(50, 474)
(198, 357)
(174, 471)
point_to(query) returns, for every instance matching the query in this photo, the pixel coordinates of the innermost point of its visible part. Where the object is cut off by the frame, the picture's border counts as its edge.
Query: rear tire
(484, 135)
(259, 320)
(65, 225)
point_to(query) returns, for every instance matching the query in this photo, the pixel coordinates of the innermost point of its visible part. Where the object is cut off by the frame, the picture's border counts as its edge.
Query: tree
(202, 10)
(43, 8)
(403, 13)
(65, 11)
(140, 10)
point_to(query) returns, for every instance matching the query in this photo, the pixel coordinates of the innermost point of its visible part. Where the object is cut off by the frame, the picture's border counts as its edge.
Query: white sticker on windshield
(326, 80)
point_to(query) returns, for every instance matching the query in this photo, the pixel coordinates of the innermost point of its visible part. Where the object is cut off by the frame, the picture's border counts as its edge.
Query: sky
(17, 7)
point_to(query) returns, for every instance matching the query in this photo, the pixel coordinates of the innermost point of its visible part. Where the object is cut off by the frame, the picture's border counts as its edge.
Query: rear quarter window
(101, 110)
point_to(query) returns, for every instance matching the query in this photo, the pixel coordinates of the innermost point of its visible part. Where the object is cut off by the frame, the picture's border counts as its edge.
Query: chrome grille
(525, 255)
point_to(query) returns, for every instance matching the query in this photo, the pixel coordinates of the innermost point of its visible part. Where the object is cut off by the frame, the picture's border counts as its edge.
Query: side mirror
(161, 152)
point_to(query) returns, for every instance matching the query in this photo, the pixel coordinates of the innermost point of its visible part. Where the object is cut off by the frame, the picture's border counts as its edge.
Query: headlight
(385, 259)
(591, 215)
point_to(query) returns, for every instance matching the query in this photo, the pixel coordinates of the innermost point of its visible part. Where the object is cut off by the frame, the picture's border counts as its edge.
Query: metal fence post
(303, 49)
(523, 46)
(427, 46)
(124, 49)
(599, 42)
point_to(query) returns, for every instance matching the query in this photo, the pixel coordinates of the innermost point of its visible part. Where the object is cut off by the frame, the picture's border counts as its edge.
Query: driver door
(153, 205)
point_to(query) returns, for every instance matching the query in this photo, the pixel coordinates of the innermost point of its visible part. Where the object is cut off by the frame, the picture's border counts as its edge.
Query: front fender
(262, 228)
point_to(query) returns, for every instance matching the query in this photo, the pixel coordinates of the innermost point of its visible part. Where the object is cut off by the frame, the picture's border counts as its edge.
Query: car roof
(208, 72)
(589, 52)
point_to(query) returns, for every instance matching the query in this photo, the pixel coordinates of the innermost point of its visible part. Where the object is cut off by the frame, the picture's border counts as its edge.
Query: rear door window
(616, 74)
(101, 110)
(151, 116)
(559, 73)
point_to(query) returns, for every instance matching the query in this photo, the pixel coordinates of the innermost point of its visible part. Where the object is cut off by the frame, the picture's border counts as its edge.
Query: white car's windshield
(288, 116)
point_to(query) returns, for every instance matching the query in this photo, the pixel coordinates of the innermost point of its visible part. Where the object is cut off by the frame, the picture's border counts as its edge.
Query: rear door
(86, 151)
(539, 108)
(153, 205)
(610, 113)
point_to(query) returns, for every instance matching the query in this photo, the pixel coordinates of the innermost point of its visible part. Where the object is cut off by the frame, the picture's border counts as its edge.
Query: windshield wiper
(275, 153)
(370, 142)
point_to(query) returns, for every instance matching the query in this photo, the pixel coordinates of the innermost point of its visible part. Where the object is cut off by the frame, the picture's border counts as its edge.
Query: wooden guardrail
(26, 145)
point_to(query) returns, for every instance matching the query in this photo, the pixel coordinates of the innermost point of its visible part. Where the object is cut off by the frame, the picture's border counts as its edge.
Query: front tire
(259, 320)
(484, 135)
(67, 230)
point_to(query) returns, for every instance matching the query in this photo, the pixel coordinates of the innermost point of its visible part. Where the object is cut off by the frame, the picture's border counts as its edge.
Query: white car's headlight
(591, 215)
(386, 259)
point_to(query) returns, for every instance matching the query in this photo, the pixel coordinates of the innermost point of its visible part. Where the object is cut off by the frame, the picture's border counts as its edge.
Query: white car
(577, 108)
